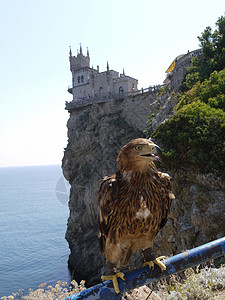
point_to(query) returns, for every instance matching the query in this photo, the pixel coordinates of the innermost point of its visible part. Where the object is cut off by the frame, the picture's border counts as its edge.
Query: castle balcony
(77, 103)
(70, 89)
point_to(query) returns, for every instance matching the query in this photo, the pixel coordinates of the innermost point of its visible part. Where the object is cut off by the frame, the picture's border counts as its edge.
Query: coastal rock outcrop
(96, 132)
(95, 135)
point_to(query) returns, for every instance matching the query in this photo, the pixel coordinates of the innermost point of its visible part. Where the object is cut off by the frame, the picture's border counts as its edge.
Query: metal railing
(144, 275)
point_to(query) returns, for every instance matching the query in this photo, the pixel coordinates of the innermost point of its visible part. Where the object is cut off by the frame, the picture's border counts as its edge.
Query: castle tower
(79, 61)
(80, 68)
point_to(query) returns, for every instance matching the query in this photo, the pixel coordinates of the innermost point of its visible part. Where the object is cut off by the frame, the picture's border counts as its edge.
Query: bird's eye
(138, 148)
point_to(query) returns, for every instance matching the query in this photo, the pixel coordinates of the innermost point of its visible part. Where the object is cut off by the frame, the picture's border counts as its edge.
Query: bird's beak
(152, 151)
(157, 153)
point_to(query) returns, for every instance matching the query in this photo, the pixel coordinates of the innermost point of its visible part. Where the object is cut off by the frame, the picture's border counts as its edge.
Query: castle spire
(70, 52)
(80, 49)
(123, 72)
(87, 52)
(107, 66)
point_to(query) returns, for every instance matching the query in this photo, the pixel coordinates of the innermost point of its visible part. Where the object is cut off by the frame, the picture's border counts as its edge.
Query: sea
(33, 220)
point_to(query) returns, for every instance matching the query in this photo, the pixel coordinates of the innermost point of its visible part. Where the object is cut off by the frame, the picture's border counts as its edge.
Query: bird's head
(138, 154)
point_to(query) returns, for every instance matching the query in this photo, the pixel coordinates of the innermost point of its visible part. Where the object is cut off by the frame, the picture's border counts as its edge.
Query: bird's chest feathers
(139, 196)
(141, 208)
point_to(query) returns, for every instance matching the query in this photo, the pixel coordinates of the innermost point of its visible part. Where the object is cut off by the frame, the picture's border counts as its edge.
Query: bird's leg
(150, 259)
(114, 277)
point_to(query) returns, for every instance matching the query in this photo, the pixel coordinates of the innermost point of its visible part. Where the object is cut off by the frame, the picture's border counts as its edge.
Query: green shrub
(210, 91)
(194, 137)
(198, 284)
(59, 291)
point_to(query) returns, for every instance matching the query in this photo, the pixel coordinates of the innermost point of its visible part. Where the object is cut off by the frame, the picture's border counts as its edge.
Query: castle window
(82, 78)
(73, 82)
(101, 91)
(121, 90)
(78, 79)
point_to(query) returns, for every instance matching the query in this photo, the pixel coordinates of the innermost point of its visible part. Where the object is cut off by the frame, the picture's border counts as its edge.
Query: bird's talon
(114, 280)
(160, 257)
(150, 264)
(156, 261)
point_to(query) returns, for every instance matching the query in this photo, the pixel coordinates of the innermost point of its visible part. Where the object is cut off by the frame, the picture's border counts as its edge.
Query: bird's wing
(167, 197)
(108, 195)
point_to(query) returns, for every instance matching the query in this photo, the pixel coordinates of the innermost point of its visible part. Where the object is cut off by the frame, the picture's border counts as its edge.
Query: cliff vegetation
(194, 136)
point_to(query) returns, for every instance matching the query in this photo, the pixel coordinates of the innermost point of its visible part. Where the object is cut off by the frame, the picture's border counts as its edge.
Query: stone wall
(180, 71)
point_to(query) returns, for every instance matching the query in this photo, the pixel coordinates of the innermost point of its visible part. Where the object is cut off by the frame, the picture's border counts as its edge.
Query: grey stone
(95, 135)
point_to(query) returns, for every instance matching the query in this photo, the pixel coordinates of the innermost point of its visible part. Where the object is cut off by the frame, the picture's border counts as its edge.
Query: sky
(143, 37)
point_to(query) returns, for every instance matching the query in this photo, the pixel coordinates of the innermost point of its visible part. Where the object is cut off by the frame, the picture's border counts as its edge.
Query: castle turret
(79, 61)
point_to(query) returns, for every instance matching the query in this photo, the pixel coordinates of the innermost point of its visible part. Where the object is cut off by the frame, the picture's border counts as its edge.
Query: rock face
(197, 214)
(95, 135)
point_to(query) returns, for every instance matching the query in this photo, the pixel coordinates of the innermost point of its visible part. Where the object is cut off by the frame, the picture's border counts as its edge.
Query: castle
(88, 82)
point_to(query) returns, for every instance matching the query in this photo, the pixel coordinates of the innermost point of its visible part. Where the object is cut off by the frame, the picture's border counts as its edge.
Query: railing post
(144, 276)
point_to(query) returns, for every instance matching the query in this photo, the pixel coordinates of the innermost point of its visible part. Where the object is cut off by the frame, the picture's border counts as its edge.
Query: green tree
(212, 44)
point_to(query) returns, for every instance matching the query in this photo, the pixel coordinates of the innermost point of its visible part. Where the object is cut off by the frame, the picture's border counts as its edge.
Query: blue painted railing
(144, 275)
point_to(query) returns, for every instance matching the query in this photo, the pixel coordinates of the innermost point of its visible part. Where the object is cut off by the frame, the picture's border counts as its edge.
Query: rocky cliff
(95, 135)
(96, 132)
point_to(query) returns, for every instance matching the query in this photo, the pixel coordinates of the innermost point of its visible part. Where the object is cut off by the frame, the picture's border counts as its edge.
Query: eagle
(133, 205)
